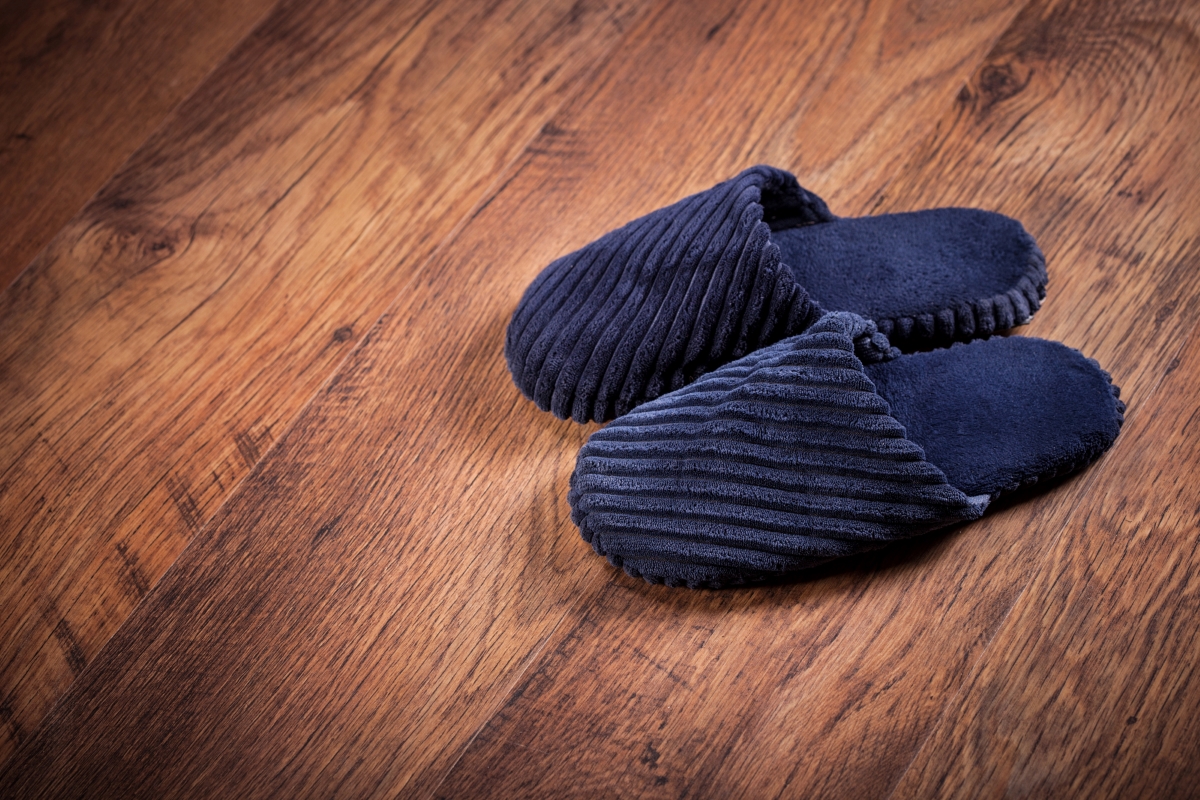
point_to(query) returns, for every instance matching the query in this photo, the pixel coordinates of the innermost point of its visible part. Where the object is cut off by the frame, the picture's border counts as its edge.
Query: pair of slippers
(749, 345)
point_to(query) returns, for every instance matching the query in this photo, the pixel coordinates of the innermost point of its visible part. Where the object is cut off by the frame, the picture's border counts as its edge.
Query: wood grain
(82, 84)
(156, 349)
(828, 688)
(1090, 688)
(394, 602)
(370, 595)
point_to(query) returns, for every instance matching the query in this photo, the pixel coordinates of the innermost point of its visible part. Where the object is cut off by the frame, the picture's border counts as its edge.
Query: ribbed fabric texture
(778, 462)
(651, 306)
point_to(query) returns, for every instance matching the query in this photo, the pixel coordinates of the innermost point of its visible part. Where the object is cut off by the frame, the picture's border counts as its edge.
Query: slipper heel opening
(1002, 414)
(927, 278)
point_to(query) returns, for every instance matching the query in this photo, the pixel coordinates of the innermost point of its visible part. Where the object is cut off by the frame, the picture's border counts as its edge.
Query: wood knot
(997, 83)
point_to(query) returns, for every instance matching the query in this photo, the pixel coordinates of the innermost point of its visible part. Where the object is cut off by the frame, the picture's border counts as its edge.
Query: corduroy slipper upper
(651, 306)
(817, 447)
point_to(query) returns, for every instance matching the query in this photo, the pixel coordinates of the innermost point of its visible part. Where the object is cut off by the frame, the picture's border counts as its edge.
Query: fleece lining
(927, 278)
(1004, 413)
(651, 306)
(800, 453)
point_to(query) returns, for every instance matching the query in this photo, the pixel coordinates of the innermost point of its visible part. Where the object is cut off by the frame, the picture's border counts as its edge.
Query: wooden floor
(275, 521)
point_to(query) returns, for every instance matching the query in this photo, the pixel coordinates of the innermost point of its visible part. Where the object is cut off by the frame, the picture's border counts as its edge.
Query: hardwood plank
(155, 350)
(1080, 122)
(1090, 688)
(363, 603)
(82, 85)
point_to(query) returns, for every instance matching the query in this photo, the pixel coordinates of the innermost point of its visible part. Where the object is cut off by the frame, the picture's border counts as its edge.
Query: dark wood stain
(71, 649)
(137, 580)
(184, 502)
(16, 733)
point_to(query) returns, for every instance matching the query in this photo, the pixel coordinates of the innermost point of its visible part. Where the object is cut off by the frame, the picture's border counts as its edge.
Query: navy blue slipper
(651, 306)
(831, 443)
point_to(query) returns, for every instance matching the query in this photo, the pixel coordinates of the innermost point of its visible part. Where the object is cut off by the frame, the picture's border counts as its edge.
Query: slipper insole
(995, 414)
(902, 265)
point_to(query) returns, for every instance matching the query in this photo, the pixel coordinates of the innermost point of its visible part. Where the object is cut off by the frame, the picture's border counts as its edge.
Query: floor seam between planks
(531, 660)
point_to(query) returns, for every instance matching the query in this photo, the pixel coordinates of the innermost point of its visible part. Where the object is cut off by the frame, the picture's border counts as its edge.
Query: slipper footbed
(957, 272)
(998, 414)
